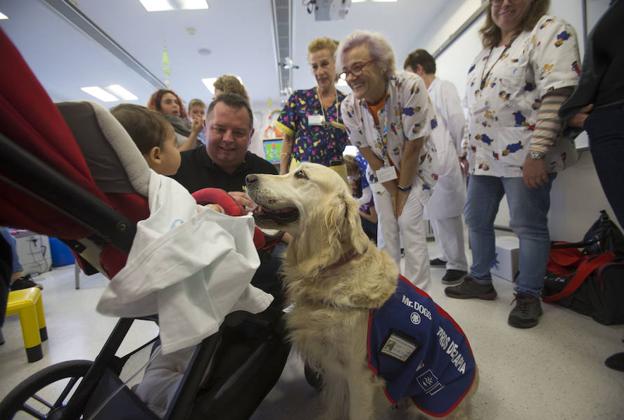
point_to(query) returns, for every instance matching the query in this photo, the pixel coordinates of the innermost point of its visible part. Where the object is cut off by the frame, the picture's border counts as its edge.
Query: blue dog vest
(419, 350)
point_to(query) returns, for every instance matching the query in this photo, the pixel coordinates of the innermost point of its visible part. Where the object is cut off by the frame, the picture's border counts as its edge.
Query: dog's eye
(300, 174)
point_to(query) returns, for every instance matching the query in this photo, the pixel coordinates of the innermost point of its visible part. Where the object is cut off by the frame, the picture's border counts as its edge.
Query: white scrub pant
(449, 234)
(408, 230)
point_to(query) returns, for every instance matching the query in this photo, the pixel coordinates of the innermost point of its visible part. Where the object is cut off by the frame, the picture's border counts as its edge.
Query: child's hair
(196, 102)
(147, 128)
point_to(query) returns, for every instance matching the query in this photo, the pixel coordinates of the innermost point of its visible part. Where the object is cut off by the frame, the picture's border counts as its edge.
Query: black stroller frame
(36, 178)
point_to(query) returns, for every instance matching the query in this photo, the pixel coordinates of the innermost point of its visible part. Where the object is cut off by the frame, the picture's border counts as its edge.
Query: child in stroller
(50, 185)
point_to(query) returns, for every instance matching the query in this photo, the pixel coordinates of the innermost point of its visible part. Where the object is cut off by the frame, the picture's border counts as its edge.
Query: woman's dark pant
(605, 127)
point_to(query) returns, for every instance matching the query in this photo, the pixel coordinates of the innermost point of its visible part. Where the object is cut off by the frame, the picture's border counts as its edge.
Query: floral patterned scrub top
(502, 114)
(313, 143)
(408, 114)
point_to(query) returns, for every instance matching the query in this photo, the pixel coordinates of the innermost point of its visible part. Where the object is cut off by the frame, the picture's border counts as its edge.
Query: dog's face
(288, 202)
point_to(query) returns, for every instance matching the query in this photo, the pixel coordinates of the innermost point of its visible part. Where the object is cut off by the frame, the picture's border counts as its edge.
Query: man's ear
(251, 133)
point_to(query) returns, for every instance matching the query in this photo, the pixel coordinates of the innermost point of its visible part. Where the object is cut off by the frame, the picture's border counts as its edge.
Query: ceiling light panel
(3, 16)
(192, 4)
(209, 83)
(122, 92)
(156, 5)
(99, 93)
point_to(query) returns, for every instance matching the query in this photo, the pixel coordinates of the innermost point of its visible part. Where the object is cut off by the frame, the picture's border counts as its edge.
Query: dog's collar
(345, 258)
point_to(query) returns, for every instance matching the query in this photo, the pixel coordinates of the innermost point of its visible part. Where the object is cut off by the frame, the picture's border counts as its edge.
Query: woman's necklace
(325, 121)
(484, 77)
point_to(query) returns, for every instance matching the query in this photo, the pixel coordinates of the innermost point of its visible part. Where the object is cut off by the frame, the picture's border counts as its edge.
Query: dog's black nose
(250, 179)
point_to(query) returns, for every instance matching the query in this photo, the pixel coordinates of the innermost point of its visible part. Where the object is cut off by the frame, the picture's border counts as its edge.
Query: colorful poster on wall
(272, 150)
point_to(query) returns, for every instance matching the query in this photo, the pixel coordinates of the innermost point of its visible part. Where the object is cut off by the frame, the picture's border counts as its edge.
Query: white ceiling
(239, 34)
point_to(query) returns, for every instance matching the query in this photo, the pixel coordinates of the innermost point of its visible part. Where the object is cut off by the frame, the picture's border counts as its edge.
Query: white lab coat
(188, 264)
(449, 193)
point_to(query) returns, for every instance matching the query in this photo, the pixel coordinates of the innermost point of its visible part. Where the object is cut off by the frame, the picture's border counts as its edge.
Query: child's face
(169, 156)
(197, 111)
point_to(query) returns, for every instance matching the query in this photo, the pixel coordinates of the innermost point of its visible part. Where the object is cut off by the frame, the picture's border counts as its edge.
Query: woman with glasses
(311, 120)
(390, 119)
(528, 66)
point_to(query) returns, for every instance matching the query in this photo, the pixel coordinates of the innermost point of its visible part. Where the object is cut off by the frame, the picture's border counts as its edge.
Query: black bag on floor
(588, 276)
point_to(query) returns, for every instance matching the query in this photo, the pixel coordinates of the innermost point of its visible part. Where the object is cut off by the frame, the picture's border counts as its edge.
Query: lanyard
(382, 132)
(326, 121)
(485, 77)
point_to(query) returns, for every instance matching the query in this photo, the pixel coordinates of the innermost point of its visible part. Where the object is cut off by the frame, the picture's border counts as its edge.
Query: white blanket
(188, 264)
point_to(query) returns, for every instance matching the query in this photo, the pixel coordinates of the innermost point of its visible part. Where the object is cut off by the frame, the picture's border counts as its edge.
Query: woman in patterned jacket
(528, 66)
(391, 120)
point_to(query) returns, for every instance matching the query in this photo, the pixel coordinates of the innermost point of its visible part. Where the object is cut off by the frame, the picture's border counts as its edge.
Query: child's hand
(243, 200)
(215, 207)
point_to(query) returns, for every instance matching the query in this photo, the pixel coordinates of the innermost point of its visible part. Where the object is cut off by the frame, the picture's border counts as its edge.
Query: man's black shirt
(198, 171)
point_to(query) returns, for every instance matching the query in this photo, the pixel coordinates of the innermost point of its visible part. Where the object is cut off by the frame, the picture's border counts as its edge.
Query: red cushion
(230, 206)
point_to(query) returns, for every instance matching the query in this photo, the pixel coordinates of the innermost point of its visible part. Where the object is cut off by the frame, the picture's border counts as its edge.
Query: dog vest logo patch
(419, 350)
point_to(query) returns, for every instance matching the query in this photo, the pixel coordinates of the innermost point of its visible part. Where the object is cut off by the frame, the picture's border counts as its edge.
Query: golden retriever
(334, 276)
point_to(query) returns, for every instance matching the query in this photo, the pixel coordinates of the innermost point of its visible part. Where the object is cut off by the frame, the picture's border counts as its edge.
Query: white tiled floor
(553, 371)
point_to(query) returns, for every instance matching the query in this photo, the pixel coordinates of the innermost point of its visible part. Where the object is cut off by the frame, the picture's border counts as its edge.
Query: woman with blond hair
(392, 122)
(311, 120)
(229, 84)
(528, 66)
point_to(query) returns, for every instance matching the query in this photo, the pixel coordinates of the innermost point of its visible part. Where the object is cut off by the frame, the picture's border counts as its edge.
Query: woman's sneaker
(470, 289)
(527, 311)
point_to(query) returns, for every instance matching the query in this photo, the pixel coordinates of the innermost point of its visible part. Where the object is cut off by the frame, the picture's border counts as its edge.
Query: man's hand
(578, 119)
(534, 172)
(243, 200)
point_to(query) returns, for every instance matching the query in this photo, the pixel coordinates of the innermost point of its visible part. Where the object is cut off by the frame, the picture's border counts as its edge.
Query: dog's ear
(344, 226)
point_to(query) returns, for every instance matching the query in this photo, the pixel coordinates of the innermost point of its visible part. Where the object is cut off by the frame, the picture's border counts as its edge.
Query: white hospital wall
(577, 196)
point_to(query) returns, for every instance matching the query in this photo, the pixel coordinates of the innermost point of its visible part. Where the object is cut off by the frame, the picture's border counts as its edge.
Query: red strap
(566, 256)
(584, 270)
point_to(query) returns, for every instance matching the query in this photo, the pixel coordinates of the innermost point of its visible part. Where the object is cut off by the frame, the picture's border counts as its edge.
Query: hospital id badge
(316, 120)
(386, 173)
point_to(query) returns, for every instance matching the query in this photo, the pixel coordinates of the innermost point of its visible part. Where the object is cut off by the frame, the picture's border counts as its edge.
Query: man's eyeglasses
(356, 69)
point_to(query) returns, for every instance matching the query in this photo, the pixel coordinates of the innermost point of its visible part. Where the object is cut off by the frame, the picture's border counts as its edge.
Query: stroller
(53, 181)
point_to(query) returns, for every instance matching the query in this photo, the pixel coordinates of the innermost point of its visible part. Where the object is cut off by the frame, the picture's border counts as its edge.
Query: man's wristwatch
(536, 155)
(402, 188)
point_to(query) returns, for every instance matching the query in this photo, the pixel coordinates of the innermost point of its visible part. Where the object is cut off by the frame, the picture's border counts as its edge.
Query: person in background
(444, 209)
(356, 175)
(152, 134)
(310, 120)
(197, 111)
(229, 84)
(597, 106)
(169, 104)
(528, 66)
(390, 119)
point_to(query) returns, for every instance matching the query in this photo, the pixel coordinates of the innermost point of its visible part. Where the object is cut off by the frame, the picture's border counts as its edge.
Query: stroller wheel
(45, 394)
